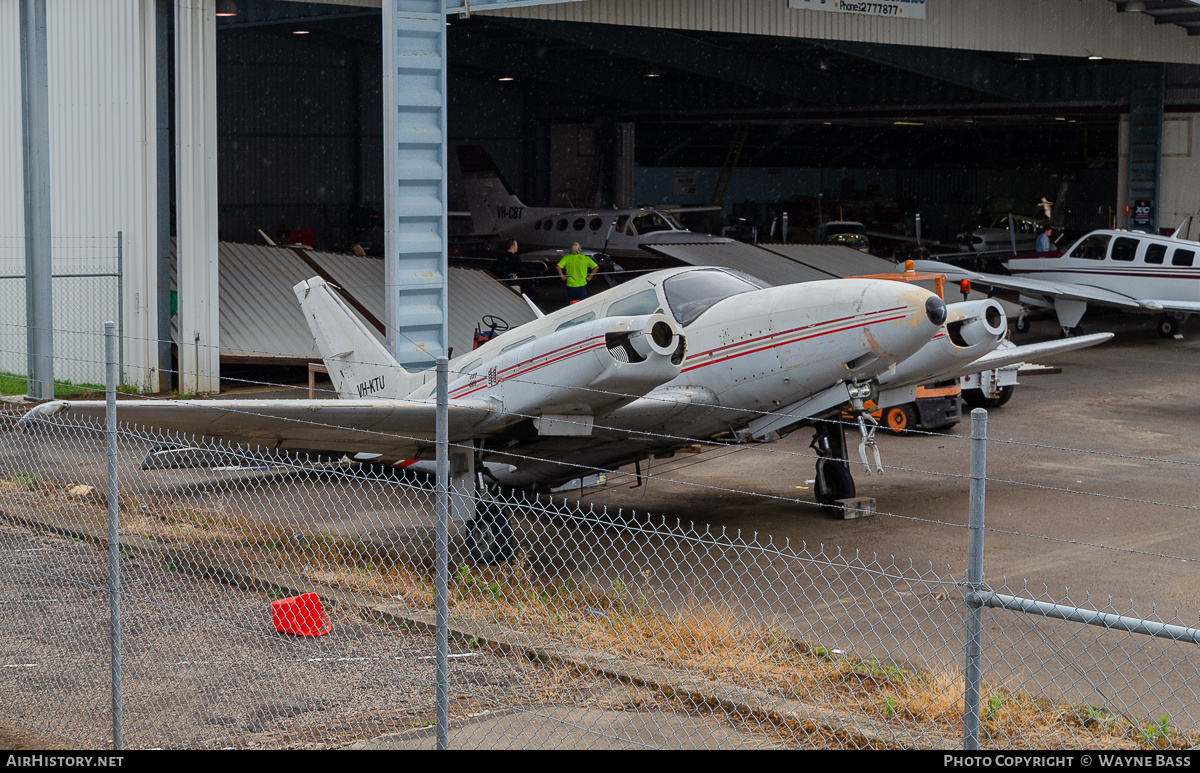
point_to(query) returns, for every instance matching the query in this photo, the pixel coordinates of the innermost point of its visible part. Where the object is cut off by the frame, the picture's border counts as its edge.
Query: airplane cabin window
(1182, 257)
(518, 343)
(692, 293)
(1092, 248)
(595, 224)
(562, 224)
(1155, 253)
(645, 302)
(578, 224)
(577, 321)
(1124, 248)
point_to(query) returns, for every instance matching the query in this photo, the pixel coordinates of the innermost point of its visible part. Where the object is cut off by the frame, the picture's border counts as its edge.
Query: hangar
(205, 121)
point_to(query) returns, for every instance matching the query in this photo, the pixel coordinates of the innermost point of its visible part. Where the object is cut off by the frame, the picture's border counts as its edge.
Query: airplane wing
(396, 429)
(998, 358)
(1050, 290)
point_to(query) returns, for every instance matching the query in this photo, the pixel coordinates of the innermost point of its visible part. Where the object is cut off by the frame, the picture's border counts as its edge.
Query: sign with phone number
(901, 9)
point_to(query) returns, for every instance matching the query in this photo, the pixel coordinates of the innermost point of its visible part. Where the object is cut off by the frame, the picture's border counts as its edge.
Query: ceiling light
(1094, 58)
(505, 79)
(1135, 6)
(227, 8)
(300, 32)
(653, 75)
(908, 123)
(1024, 57)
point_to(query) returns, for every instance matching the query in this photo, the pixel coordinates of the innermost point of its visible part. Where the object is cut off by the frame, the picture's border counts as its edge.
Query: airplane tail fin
(359, 366)
(491, 199)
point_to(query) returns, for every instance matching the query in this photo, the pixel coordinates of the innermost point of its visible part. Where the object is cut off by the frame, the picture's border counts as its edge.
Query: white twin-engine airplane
(639, 370)
(1128, 270)
(496, 211)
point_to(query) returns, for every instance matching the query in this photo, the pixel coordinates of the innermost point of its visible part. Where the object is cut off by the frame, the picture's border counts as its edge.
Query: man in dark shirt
(508, 266)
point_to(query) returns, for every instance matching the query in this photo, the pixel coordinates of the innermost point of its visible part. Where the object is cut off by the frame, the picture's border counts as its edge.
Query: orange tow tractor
(938, 404)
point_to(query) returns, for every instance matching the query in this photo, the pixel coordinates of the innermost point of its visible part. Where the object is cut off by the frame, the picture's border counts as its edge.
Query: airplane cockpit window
(692, 293)
(645, 302)
(1155, 253)
(595, 224)
(1182, 257)
(619, 224)
(1093, 247)
(650, 222)
(1124, 248)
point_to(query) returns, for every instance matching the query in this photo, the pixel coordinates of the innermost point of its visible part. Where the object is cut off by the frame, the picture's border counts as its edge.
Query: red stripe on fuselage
(792, 341)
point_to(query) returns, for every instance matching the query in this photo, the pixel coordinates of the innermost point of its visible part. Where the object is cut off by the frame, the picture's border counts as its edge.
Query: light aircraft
(497, 212)
(640, 370)
(1128, 270)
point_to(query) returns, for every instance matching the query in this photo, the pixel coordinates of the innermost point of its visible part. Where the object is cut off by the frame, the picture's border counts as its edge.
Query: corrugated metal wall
(1061, 27)
(101, 73)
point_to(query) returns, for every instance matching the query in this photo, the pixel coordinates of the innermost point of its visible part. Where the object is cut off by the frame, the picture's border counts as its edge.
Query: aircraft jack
(857, 507)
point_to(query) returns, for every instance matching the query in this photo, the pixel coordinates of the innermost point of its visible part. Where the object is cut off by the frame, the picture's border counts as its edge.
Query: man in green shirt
(579, 270)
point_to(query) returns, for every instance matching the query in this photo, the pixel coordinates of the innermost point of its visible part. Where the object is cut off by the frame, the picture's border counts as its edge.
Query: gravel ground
(204, 668)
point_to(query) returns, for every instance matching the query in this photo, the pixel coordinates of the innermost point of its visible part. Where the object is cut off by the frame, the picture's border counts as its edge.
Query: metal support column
(196, 197)
(35, 130)
(414, 138)
(162, 138)
(1145, 146)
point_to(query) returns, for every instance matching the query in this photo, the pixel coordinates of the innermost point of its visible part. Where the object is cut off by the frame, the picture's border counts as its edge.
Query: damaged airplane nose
(935, 310)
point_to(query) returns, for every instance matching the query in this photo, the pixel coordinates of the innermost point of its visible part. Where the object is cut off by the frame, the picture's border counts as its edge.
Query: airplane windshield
(692, 293)
(651, 222)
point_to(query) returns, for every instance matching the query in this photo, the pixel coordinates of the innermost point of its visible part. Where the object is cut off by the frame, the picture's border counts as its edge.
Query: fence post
(121, 306)
(442, 582)
(114, 546)
(973, 672)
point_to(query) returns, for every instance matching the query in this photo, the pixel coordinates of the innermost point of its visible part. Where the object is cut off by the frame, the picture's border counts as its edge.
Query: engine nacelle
(587, 369)
(972, 329)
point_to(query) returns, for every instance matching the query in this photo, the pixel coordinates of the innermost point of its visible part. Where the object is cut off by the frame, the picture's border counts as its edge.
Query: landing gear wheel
(899, 419)
(1022, 323)
(1167, 326)
(834, 481)
(976, 399)
(489, 535)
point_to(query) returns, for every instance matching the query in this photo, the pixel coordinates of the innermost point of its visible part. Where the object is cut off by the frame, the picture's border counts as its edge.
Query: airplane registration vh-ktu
(1127, 270)
(663, 361)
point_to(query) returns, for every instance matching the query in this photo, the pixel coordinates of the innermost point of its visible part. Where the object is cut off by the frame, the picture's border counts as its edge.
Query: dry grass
(707, 641)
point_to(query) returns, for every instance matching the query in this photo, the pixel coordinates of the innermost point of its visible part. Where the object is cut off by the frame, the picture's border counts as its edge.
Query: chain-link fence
(579, 628)
(86, 288)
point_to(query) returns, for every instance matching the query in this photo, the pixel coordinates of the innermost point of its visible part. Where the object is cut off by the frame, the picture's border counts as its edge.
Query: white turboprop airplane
(496, 211)
(1128, 270)
(640, 370)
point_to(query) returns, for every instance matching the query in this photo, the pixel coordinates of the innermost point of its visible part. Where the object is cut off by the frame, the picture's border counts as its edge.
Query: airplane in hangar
(1127, 270)
(655, 364)
(497, 212)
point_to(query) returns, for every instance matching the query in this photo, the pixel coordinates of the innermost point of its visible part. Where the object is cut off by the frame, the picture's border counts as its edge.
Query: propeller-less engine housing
(972, 329)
